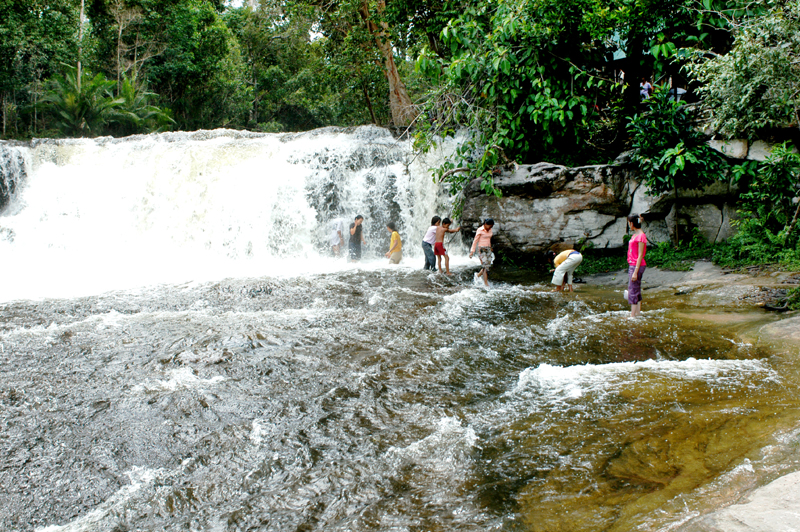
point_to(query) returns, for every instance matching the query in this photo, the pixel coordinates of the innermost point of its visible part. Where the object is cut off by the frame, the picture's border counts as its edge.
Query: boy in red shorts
(438, 245)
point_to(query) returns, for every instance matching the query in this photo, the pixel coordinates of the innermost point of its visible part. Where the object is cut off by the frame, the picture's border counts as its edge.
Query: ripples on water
(385, 399)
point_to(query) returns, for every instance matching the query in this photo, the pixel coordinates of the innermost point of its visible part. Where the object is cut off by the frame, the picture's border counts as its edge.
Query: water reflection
(375, 399)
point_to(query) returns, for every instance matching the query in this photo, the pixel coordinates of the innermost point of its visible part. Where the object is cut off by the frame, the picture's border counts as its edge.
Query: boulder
(548, 206)
(735, 149)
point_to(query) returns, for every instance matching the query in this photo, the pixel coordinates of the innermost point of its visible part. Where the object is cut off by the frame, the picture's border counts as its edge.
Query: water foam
(180, 378)
(576, 381)
(95, 215)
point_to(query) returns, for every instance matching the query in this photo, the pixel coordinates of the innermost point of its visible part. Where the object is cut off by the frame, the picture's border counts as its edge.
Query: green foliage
(755, 244)
(80, 110)
(594, 263)
(680, 258)
(770, 196)
(755, 84)
(669, 152)
(767, 232)
(793, 299)
(136, 114)
(36, 38)
(533, 80)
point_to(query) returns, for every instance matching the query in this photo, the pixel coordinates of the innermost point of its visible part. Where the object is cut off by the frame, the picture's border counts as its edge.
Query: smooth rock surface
(548, 206)
(771, 508)
(736, 149)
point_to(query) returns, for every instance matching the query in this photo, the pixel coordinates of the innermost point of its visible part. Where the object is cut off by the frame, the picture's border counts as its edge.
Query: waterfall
(12, 171)
(103, 214)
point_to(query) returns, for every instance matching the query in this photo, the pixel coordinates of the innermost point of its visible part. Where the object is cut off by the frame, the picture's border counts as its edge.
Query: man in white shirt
(336, 237)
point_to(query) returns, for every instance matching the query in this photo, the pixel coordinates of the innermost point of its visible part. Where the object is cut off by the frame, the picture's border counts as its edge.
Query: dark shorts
(635, 287)
(355, 250)
(438, 249)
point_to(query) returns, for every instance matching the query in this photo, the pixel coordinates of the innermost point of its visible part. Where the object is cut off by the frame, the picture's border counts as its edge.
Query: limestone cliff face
(547, 206)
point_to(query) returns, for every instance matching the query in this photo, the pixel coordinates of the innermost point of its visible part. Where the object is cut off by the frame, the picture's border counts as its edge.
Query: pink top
(633, 249)
(430, 236)
(483, 238)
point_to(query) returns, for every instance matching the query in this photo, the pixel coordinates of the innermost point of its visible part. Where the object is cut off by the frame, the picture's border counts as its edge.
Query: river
(179, 352)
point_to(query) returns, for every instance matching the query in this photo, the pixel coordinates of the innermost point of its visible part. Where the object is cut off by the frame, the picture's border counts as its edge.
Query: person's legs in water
(635, 290)
(430, 261)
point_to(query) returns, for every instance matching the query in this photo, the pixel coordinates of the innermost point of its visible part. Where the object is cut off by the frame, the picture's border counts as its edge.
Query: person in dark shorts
(356, 239)
(637, 247)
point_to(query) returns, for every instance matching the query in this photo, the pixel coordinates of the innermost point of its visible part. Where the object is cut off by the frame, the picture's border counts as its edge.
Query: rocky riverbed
(764, 507)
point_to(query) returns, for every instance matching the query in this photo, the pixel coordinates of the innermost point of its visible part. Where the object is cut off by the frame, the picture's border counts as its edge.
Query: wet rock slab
(768, 509)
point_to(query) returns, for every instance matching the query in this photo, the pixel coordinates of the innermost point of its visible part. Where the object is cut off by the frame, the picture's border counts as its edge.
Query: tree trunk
(80, 44)
(119, 52)
(677, 213)
(794, 222)
(369, 106)
(403, 112)
(4, 114)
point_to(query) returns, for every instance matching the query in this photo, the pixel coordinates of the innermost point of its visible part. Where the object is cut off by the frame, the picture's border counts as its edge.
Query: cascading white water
(101, 214)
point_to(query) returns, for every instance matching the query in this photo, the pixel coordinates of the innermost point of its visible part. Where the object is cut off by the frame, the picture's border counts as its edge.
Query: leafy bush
(668, 151)
(681, 258)
(80, 107)
(754, 243)
(772, 192)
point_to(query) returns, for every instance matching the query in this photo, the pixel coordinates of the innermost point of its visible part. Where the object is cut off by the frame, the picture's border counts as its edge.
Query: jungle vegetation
(529, 80)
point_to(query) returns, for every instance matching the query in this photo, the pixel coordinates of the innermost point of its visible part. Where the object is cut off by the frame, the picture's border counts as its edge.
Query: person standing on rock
(356, 239)
(483, 242)
(637, 247)
(565, 264)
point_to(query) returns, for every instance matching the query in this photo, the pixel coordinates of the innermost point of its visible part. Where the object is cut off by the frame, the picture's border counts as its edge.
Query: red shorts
(438, 249)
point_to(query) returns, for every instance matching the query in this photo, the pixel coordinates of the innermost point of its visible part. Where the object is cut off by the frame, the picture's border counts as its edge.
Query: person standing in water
(395, 253)
(356, 238)
(565, 264)
(637, 247)
(483, 243)
(438, 246)
(427, 244)
(336, 238)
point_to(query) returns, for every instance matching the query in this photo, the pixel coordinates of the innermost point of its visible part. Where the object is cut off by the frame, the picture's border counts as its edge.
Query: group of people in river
(564, 263)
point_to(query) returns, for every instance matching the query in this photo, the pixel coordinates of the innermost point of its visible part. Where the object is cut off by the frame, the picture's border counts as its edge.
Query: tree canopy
(530, 80)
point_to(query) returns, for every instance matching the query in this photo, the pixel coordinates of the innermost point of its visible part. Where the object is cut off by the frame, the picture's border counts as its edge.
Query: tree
(538, 79)
(757, 84)
(363, 25)
(136, 113)
(80, 108)
(36, 37)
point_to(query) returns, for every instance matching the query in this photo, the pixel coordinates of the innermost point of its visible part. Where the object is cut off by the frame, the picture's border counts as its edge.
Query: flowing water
(179, 352)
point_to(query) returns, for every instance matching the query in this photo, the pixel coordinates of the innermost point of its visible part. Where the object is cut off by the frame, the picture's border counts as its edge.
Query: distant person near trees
(483, 243)
(395, 253)
(356, 239)
(565, 264)
(427, 244)
(637, 247)
(645, 89)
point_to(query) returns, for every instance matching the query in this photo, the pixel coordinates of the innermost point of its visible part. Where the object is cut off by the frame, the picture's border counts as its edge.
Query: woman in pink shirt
(637, 247)
(483, 241)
